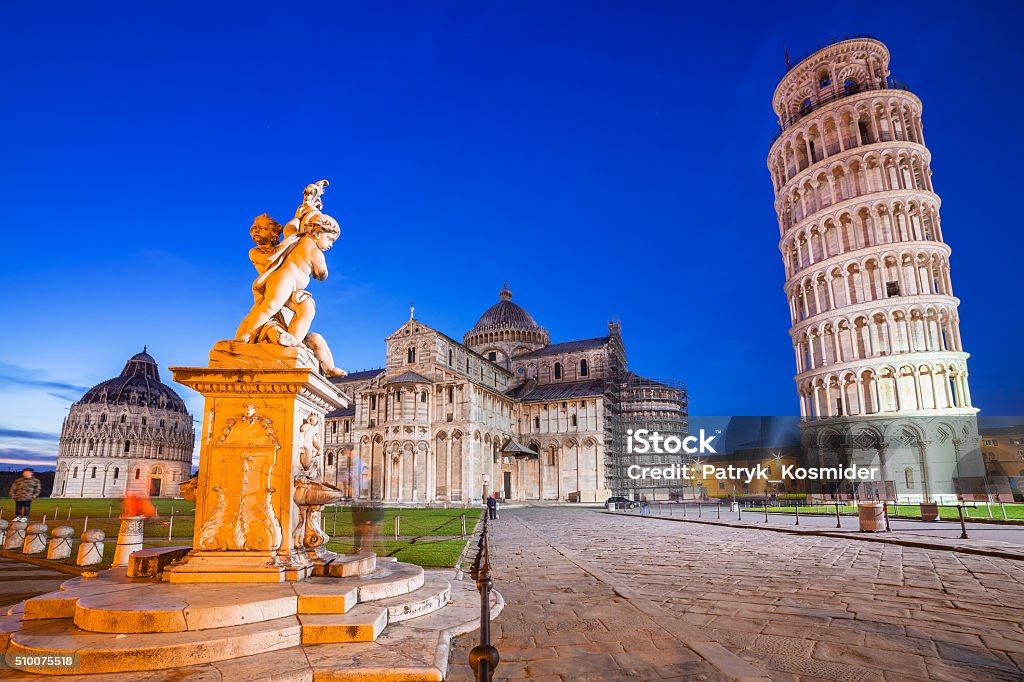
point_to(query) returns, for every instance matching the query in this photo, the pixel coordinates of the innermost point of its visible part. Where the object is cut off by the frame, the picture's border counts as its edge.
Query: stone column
(35, 539)
(60, 544)
(129, 539)
(90, 552)
(15, 538)
(262, 428)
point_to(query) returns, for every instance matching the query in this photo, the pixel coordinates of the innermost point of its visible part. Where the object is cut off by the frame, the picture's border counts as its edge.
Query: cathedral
(129, 434)
(505, 411)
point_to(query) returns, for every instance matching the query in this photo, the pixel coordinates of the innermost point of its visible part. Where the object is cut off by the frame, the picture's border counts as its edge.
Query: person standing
(23, 491)
(492, 507)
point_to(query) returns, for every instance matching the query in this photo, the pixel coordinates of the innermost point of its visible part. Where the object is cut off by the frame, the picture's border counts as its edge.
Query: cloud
(25, 456)
(30, 435)
(14, 375)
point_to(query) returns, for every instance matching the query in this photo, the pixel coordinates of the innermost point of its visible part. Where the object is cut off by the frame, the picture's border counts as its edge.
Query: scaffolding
(645, 403)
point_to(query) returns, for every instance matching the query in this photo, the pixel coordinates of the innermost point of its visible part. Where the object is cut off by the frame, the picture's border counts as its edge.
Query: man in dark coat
(492, 507)
(23, 491)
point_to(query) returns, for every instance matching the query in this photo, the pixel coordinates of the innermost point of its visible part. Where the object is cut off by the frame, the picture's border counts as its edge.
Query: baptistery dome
(138, 384)
(128, 434)
(506, 330)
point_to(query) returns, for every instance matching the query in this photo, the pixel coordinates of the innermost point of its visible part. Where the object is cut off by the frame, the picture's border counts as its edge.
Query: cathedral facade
(129, 434)
(504, 411)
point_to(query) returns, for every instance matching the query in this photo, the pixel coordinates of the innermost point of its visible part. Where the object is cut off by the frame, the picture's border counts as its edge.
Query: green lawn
(428, 553)
(337, 521)
(971, 510)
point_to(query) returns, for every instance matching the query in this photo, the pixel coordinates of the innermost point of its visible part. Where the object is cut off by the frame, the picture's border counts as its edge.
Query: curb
(867, 537)
(46, 563)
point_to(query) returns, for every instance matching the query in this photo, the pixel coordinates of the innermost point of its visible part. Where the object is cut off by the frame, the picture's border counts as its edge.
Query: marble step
(167, 607)
(108, 653)
(434, 595)
(390, 580)
(362, 624)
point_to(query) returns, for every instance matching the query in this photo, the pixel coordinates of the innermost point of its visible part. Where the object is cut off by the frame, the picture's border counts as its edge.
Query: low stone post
(15, 535)
(3, 531)
(129, 539)
(35, 539)
(60, 544)
(91, 550)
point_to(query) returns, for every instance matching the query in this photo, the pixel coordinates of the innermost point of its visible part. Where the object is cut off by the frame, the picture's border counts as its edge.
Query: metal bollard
(463, 519)
(398, 524)
(797, 508)
(699, 510)
(839, 524)
(719, 505)
(963, 526)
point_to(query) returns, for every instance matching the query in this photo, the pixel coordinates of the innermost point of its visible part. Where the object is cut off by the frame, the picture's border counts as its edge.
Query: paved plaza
(595, 596)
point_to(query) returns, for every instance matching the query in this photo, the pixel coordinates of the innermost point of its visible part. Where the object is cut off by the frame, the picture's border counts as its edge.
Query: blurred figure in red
(137, 505)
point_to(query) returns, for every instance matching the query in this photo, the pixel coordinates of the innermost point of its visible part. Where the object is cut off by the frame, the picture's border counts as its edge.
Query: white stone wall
(107, 449)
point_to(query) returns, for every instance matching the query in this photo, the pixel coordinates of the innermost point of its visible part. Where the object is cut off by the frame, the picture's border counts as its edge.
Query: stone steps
(364, 643)
(433, 595)
(106, 652)
(362, 624)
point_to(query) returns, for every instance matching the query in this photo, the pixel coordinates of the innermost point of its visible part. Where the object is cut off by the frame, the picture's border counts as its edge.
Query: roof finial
(412, 309)
(505, 294)
(145, 348)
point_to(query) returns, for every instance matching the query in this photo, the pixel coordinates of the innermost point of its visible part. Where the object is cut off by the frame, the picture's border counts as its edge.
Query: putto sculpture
(282, 309)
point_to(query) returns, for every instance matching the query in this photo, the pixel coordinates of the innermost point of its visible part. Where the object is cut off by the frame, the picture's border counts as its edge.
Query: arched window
(805, 106)
(558, 370)
(451, 394)
(138, 474)
(850, 86)
(536, 422)
(908, 474)
(127, 446)
(412, 355)
(122, 418)
(824, 81)
(161, 423)
(143, 421)
(74, 473)
(330, 459)
(92, 445)
(93, 474)
(423, 396)
(103, 417)
(584, 369)
(449, 357)
(572, 420)
(117, 472)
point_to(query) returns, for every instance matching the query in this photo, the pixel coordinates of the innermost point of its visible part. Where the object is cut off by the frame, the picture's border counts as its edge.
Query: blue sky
(607, 159)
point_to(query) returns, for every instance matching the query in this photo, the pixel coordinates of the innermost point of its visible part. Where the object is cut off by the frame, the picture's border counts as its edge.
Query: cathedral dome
(506, 315)
(138, 384)
(505, 330)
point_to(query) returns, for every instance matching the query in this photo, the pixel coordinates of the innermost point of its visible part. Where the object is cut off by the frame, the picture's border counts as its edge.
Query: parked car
(620, 502)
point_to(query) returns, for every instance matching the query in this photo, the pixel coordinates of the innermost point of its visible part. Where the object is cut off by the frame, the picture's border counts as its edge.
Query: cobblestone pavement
(792, 607)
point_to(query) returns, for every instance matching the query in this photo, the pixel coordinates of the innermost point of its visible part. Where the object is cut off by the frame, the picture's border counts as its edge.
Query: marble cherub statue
(283, 310)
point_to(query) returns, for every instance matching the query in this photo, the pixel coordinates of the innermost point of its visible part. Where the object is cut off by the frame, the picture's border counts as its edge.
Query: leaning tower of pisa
(881, 371)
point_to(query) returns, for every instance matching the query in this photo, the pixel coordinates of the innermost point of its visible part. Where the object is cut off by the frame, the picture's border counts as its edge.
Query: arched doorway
(156, 480)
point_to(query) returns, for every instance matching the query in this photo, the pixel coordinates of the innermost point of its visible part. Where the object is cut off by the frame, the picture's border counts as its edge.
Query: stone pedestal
(35, 539)
(90, 552)
(129, 539)
(263, 423)
(60, 544)
(15, 535)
